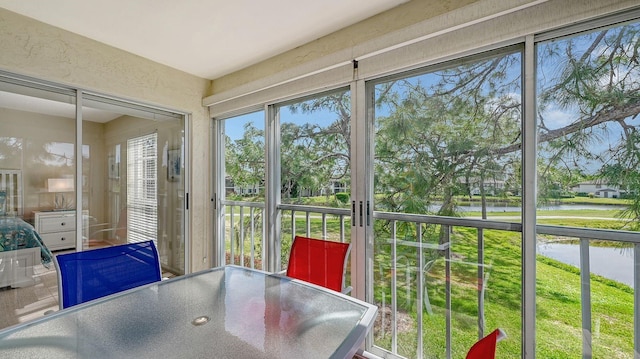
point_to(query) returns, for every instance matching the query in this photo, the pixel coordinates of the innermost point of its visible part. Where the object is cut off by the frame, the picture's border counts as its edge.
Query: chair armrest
(501, 334)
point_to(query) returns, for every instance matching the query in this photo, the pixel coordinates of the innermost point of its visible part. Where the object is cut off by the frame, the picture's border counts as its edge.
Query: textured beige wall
(395, 19)
(39, 50)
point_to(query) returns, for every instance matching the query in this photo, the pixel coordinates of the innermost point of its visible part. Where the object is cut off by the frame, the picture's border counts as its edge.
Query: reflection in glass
(37, 144)
(11, 151)
(37, 166)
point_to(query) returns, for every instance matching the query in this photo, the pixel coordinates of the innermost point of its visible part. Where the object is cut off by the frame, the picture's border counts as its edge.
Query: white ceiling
(206, 38)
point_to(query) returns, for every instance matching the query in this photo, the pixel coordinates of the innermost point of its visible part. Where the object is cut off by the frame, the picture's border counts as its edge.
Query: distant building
(492, 187)
(599, 189)
(248, 190)
(254, 189)
(332, 188)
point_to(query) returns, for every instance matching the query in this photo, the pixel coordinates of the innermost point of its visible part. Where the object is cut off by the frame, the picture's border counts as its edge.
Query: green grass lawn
(558, 324)
(595, 200)
(514, 200)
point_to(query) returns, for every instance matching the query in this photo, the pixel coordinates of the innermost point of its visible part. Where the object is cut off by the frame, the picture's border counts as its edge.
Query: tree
(442, 133)
(244, 157)
(317, 153)
(596, 78)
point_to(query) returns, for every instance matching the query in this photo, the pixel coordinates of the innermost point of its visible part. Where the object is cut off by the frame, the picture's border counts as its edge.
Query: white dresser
(57, 228)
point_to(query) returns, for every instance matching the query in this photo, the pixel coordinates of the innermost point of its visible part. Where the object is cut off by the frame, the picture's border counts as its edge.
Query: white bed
(16, 267)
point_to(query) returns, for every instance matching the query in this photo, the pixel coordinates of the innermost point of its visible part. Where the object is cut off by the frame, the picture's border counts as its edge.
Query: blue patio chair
(88, 275)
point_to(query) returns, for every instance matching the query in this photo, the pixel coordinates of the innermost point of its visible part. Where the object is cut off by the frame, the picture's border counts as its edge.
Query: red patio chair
(319, 262)
(485, 348)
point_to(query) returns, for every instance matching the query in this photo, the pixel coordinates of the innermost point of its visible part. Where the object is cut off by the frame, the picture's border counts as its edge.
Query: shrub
(342, 197)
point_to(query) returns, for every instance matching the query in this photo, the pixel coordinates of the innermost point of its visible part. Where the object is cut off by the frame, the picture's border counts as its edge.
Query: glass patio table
(226, 312)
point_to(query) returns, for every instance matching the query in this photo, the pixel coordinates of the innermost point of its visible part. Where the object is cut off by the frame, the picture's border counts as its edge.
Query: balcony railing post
(263, 240)
(383, 318)
(636, 301)
(252, 236)
(447, 273)
(480, 283)
(241, 236)
(419, 289)
(293, 224)
(394, 290)
(585, 294)
(324, 226)
(231, 235)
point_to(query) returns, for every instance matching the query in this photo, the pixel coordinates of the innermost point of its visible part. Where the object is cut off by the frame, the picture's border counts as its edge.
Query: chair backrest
(88, 275)
(319, 262)
(485, 348)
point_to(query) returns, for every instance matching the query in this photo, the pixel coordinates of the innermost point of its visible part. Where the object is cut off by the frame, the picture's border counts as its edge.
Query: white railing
(311, 213)
(244, 223)
(248, 235)
(443, 246)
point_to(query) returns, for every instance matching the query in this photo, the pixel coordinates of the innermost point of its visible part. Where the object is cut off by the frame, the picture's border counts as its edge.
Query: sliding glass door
(241, 189)
(133, 177)
(446, 143)
(131, 180)
(588, 185)
(315, 168)
(308, 158)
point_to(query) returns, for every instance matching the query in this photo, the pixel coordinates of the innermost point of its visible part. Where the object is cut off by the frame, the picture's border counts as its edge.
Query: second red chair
(485, 348)
(319, 262)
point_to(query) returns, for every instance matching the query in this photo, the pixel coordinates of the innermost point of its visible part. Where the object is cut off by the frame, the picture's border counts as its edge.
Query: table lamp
(60, 186)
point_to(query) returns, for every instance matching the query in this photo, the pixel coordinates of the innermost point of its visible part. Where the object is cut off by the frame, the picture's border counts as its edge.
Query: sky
(555, 116)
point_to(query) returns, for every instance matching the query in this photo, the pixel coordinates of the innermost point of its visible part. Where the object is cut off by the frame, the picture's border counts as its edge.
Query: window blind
(142, 198)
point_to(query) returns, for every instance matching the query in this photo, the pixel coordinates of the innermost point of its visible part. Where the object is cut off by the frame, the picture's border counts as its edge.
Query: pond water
(612, 263)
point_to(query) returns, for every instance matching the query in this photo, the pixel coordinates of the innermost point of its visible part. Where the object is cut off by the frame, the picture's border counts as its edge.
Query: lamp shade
(60, 184)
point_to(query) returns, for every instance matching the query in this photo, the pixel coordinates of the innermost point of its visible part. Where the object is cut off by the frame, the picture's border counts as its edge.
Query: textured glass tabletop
(228, 312)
